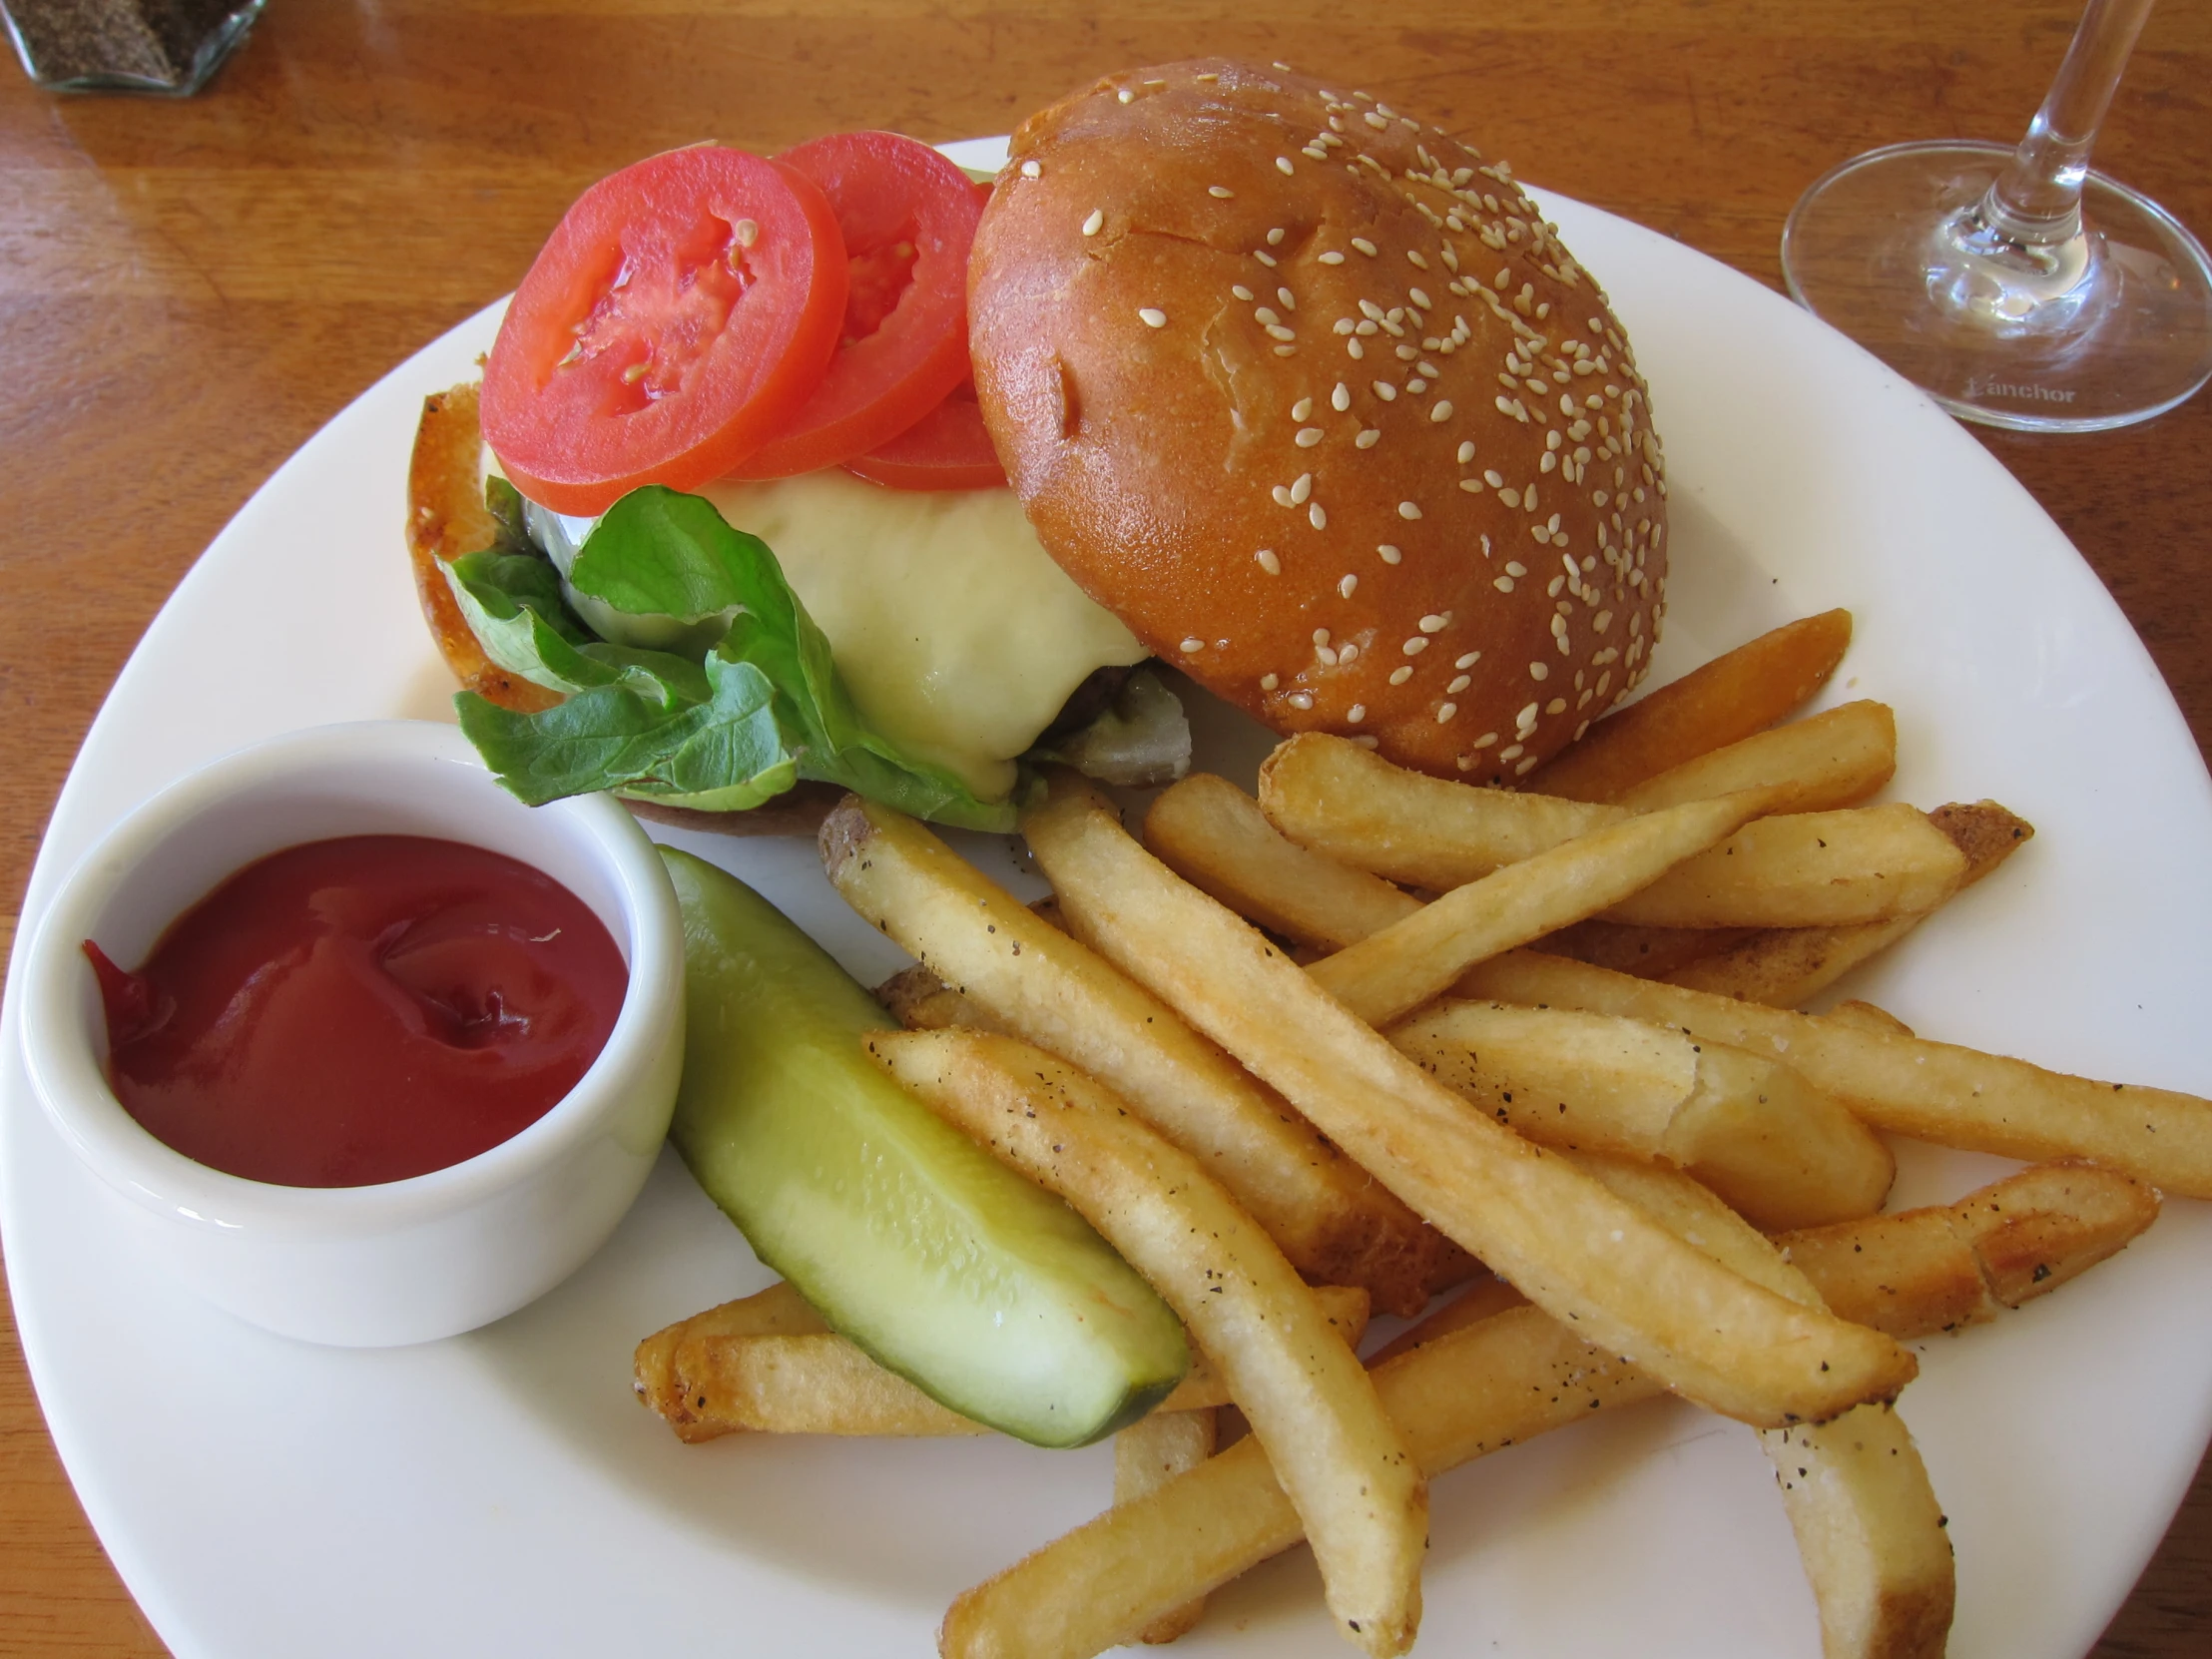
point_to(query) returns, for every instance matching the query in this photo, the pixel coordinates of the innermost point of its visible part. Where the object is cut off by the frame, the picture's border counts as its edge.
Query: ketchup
(362, 1010)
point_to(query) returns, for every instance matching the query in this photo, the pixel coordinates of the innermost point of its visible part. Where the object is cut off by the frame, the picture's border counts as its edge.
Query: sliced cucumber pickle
(988, 1292)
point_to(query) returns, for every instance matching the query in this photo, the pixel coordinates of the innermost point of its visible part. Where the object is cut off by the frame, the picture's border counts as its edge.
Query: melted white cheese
(959, 637)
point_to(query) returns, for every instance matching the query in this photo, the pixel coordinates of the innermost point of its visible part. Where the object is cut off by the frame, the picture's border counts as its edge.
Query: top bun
(1312, 397)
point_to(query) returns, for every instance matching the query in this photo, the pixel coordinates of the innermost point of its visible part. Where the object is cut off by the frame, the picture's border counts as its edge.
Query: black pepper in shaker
(158, 46)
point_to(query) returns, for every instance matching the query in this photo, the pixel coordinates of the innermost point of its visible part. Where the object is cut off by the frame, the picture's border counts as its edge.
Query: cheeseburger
(1292, 390)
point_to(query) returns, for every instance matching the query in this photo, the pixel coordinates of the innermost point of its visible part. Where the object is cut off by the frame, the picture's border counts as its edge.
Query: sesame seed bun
(1310, 395)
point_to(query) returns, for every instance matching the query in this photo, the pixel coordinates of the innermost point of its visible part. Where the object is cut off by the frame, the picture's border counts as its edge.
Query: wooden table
(189, 290)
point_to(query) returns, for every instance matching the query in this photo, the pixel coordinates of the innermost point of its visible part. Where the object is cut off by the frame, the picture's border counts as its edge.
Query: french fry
(778, 1310)
(1788, 967)
(1147, 1455)
(1807, 869)
(1776, 1149)
(1930, 1091)
(1625, 1282)
(1869, 1531)
(1494, 1377)
(1033, 981)
(1729, 698)
(707, 1378)
(1215, 836)
(1394, 971)
(1361, 1497)
(1836, 759)
(1647, 952)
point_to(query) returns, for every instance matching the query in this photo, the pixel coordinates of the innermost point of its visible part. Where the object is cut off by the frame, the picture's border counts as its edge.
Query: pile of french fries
(1375, 1035)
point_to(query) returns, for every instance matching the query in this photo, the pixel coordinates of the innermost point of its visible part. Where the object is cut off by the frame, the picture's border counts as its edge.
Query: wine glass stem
(2036, 201)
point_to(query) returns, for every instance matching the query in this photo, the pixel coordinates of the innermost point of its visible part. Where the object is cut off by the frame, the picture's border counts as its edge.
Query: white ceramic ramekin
(404, 1260)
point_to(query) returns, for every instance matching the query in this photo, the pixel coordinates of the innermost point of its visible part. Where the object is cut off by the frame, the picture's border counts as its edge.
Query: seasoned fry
(1215, 836)
(1031, 980)
(1647, 952)
(1572, 1247)
(1806, 870)
(1394, 971)
(1788, 967)
(707, 1378)
(1147, 1455)
(1482, 1384)
(1777, 1150)
(1361, 1497)
(1909, 1086)
(1837, 759)
(1869, 1528)
(1729, 698)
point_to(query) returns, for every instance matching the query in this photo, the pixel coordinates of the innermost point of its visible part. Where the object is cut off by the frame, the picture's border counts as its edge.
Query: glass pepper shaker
(160, 46)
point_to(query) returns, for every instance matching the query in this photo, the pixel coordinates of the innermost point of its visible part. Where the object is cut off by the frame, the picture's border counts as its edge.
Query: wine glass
(2017, 288)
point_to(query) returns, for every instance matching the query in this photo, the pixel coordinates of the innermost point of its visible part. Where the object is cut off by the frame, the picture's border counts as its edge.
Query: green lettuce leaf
(759, 710)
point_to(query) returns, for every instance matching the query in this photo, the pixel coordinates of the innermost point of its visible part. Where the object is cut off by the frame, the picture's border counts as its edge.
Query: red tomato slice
(679, 316)
(909, 217)
(948, 449)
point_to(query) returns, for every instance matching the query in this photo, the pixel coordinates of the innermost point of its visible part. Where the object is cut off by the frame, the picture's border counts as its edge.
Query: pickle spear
(990, 1294)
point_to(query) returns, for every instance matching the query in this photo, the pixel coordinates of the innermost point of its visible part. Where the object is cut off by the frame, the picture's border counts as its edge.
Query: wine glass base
(2112, 329)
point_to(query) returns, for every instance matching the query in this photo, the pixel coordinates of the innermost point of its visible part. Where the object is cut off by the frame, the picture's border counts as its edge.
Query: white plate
(502, 1492)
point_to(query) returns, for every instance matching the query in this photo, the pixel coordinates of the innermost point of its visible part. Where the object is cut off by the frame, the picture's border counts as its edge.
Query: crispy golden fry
(1361, 1498)
(1413, 961)
(1868, 1017)
(1147, 1455)
(1806, 870)
(715, 1375)
(1031, 980)
(920, 1002)
(1470, 1385)
(1215, 836)
(1836, 759)
(1775, 1147)
(1869, 1528)
(1728, 699)
(1788, 967)
(1949, 1265)
(1573, 1248)
(658, 1379)
(1930, 1091)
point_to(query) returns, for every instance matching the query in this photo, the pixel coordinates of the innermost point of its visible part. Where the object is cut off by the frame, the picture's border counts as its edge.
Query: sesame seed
(1268, 562)
(1557, 705)
(1331, 257)
(1285, 350)
(1354, 349)
(1504, 583)
(1415, 646)
(1419, 298)
(1265, 314)
(1441, 409)
(1264, 256)
(1526, 718)
(1282, 166)
(1385, 391)
(1276, 330)
(1473, 486)
(1317, 517)
(1523, 768)
(1445, 713)
(1030, 170)
(1221, 191)
(1300, 487)
(1460, 685)
(1355, 714)
(1315, 153)
(1274, 237)
(1326, 657)
(1368, 438)
(1340, 399)
(1494, 478)
(1241, 292)
(1364, 245)
(1408, 509)
(1267, 682)
(1537, 670)
(1289, 299)
(1193, 645)
(1377, 122)
(1345, 588)
(1466, 453)
(1283, 496)
(1413, 257)
(1508, 752)
(1308, 436)
(1301, 700)
(1153, 316)
(1510, 497)
(1399, 676)
(1513, 567)
(1091, 224)
(1435, 624)
(1125, 96)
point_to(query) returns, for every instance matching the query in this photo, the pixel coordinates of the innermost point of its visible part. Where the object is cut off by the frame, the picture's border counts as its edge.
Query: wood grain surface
(189, 290)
